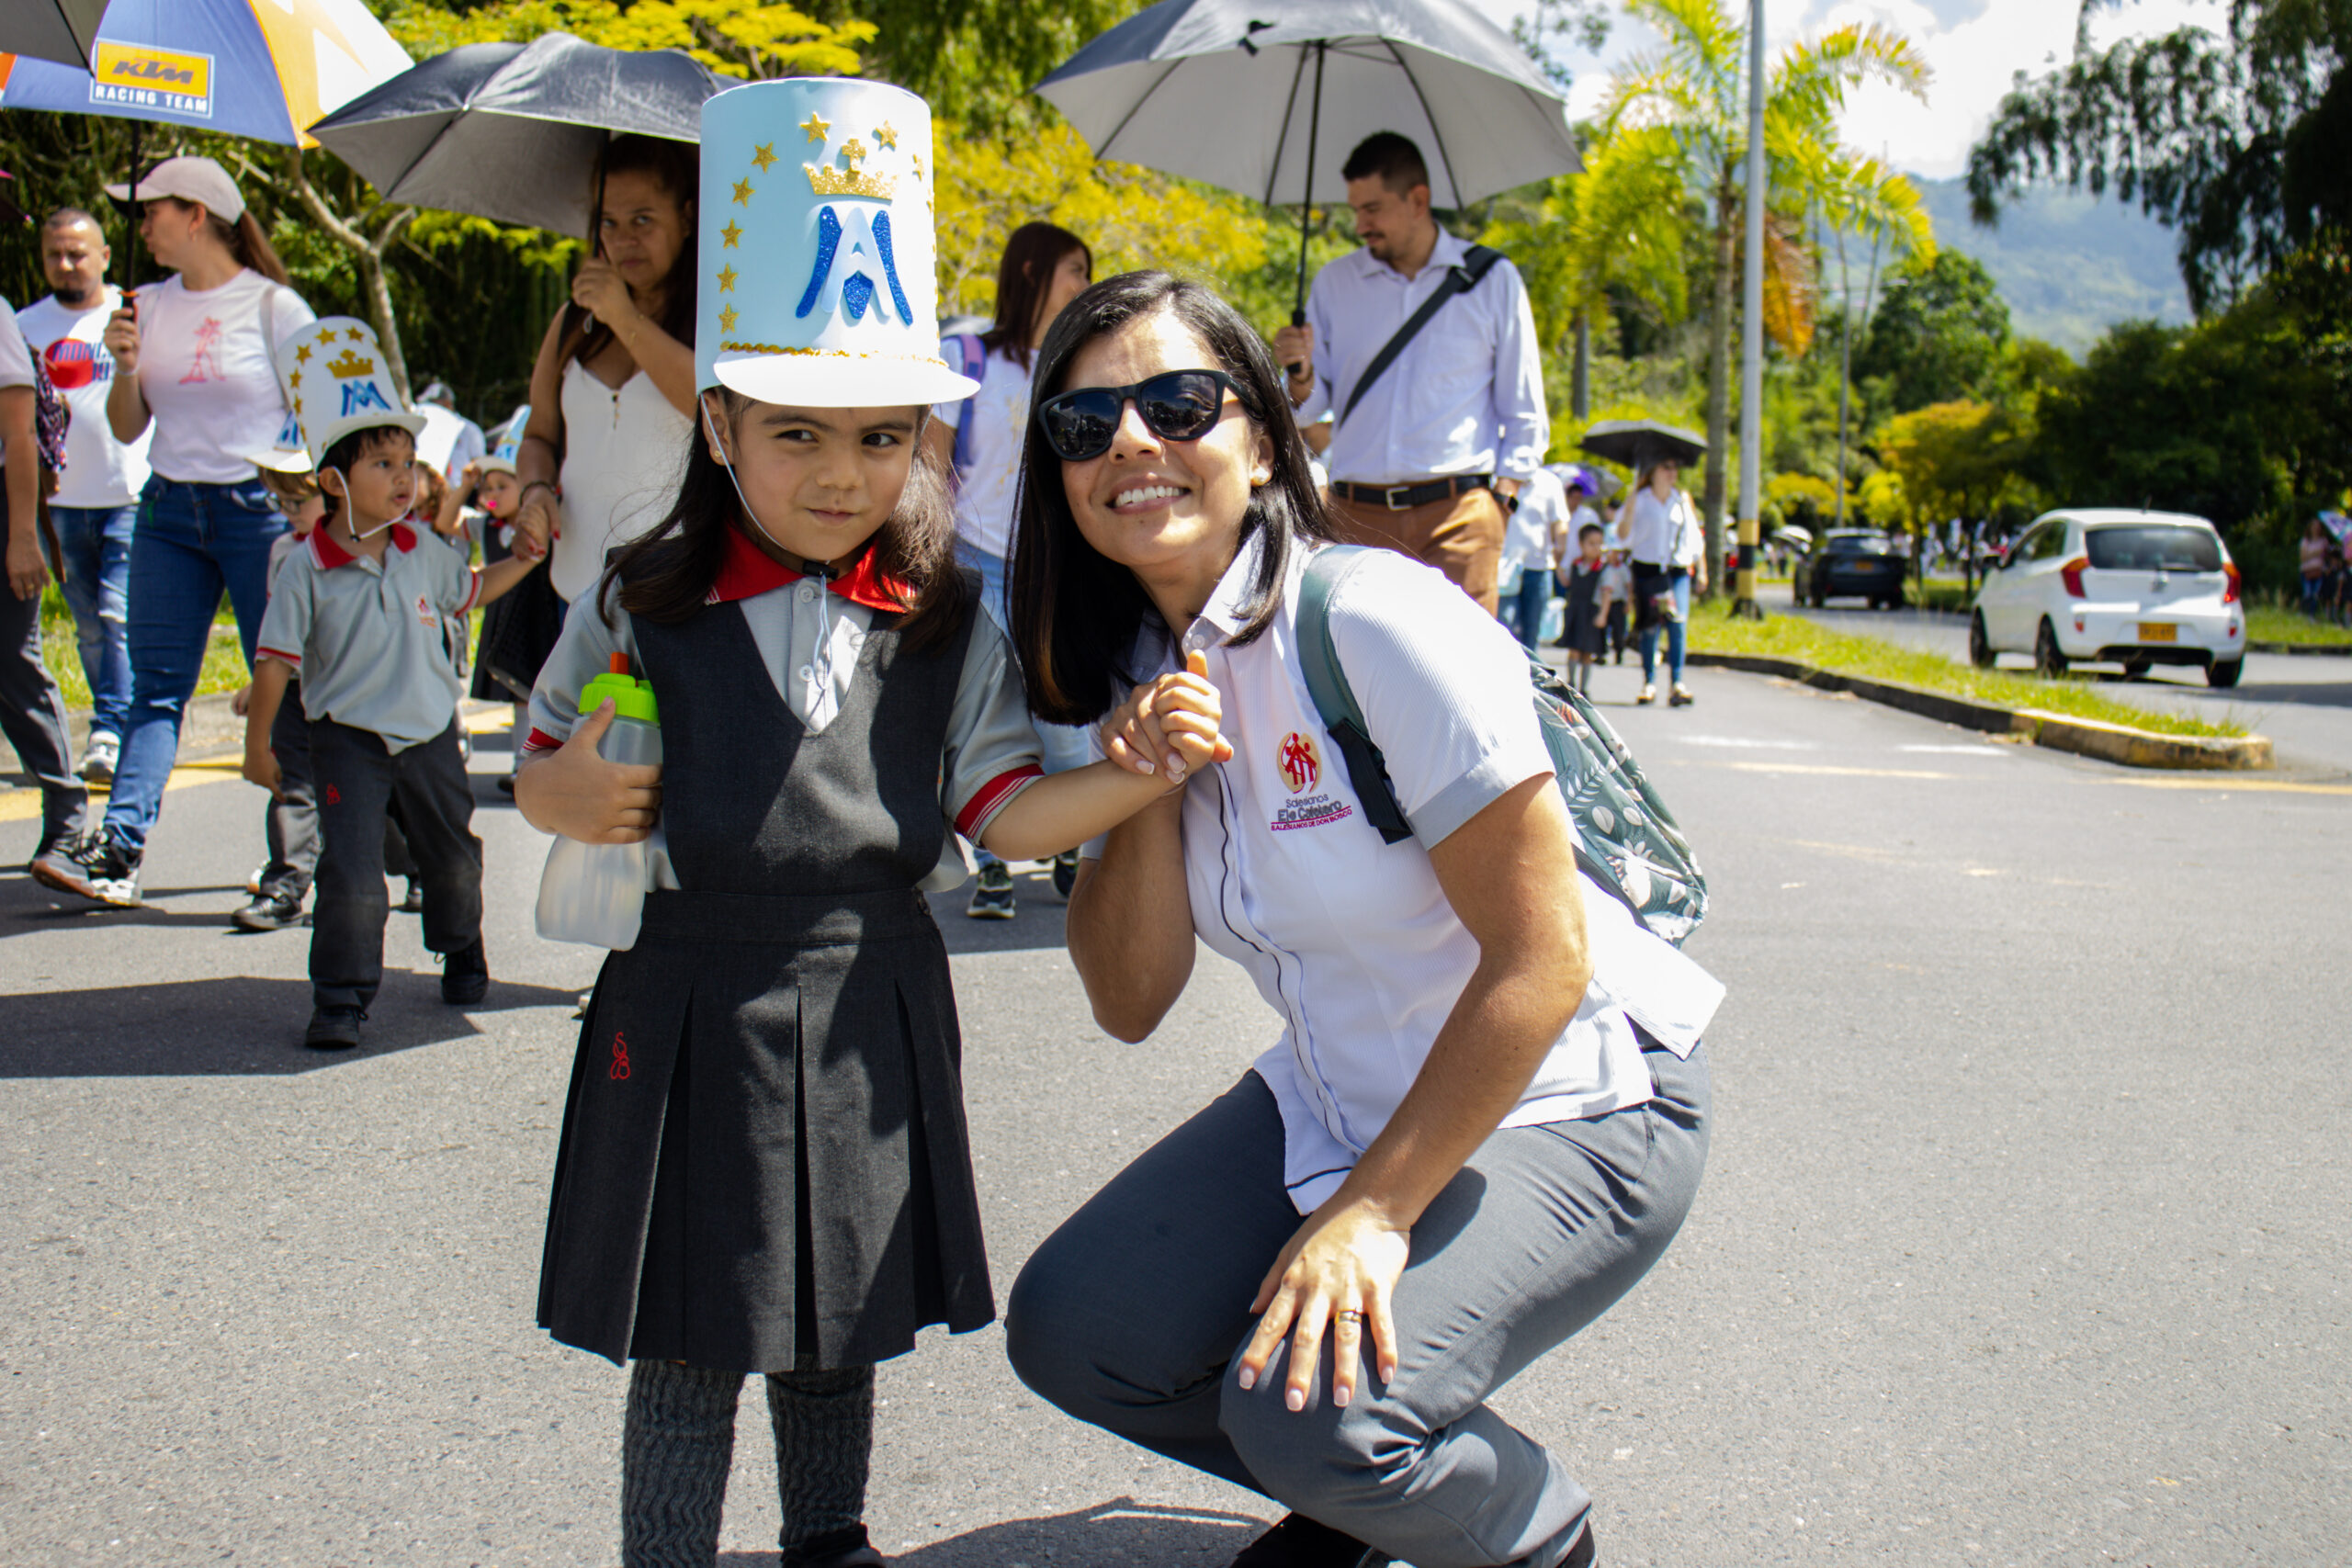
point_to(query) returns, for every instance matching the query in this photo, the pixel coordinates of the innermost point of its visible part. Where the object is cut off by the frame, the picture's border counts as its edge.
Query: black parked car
(1852, 561)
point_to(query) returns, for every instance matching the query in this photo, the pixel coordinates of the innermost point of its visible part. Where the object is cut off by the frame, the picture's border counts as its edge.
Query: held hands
(535, 521)
(1167, 728)
(1339, 1272)
(579, 795)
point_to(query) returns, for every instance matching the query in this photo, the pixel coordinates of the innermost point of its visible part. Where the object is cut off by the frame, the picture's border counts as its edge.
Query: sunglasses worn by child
(1176, 405)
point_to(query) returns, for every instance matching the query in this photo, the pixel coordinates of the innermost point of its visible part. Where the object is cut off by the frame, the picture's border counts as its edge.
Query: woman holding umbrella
(195, 358)
(612, 395)
(1670, 553)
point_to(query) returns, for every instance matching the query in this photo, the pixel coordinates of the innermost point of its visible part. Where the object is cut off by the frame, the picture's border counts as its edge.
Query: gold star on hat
(726, 280)
(886, 137)
(302, 353)
(763, 156)
(726, 318)
(743, 192)
(733, 231)
(816, 128)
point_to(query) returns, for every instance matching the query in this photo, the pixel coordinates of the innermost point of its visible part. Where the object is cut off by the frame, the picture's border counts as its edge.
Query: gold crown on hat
(852, 181)
(350, 363)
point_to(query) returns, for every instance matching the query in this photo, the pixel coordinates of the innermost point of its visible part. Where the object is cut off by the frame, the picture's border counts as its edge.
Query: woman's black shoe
(834, 1548)
(1298, 1541)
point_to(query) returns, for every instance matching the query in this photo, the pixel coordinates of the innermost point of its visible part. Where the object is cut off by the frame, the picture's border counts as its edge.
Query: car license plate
(2159, 631)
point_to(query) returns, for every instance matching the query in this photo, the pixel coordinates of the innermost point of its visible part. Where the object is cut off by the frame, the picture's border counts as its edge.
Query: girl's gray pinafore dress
(764, 1164)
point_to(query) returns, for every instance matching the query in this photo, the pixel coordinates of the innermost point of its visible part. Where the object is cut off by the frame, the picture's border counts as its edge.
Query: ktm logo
(1300, 765)
(151, 70)
(358, 395)
(167, 71)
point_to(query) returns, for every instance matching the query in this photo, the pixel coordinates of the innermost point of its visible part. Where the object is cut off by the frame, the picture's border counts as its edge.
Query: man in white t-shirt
(449, 440)
(32, 715)
(95, 509)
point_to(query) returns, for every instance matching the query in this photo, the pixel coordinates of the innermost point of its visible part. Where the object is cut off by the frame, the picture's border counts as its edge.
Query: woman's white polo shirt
(1351, 941)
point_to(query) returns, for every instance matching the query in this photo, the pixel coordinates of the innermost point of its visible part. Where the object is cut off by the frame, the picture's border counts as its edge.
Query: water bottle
(595, 893)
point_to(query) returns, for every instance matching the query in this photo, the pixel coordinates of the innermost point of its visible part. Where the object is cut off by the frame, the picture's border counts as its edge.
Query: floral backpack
(1626, 839)
(51, 417)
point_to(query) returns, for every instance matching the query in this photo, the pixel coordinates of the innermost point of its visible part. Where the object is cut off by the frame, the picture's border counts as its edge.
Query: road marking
(1986, 749)
(2212, 782)
(1833, 772)
(22, 805)
(1746, 743)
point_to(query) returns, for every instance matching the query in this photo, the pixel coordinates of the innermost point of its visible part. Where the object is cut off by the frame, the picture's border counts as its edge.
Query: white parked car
(2137, 589)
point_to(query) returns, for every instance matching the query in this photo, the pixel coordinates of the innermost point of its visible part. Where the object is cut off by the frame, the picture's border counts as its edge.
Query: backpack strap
(1476, 261)
(1335, 702)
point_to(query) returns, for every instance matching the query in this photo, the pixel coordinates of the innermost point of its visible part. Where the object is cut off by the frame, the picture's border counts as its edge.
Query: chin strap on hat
(821, 571)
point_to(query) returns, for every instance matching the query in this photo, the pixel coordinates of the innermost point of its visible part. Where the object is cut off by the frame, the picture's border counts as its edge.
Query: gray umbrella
(62, 30)
(511, 131)
(1254, 94)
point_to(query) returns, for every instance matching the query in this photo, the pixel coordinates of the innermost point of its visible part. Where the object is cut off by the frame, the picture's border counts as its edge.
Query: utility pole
(1751, 337)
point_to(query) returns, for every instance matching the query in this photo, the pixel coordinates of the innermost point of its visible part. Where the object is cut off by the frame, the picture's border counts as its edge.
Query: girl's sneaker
(992, 900)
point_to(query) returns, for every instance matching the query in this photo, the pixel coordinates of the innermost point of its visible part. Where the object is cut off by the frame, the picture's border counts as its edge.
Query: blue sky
(1976, 47)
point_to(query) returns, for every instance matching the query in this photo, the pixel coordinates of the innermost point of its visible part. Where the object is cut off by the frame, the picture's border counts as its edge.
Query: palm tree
(1693, 83)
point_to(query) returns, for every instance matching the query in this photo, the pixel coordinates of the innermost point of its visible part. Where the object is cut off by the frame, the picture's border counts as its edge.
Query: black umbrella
(62, 30)
(512, 131)
(1636, 443)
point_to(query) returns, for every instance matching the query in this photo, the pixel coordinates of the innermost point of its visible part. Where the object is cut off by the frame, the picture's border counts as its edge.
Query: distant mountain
(2070, 265)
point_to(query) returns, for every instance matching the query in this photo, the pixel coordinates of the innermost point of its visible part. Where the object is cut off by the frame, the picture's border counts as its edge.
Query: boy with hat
(359, 615)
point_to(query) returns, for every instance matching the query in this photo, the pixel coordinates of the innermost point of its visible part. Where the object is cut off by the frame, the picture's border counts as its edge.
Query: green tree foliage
(1940, 336)
(2238, 143)
(975, 61)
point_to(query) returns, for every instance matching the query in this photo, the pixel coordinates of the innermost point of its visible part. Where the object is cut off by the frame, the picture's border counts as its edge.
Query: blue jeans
(94, 543)
(193, 541)
(1675, 631)
(1523, 611)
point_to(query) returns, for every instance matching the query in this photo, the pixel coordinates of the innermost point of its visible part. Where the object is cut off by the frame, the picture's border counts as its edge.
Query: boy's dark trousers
(358, 778)
(291, 824)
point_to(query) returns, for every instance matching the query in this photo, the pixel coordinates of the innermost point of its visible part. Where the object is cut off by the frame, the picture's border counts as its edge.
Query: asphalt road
(2302, 702)
(2025, 1240)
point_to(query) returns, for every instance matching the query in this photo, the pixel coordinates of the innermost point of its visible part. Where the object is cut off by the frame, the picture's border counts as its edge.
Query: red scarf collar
(330, 555)
(747, 570)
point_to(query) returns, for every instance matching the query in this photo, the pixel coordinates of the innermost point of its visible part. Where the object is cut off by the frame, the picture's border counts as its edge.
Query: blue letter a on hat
(868, 242)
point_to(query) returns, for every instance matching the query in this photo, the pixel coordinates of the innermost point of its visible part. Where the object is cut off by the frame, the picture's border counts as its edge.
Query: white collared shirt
(1466, 397)
(1663, 533)
(1351, 941)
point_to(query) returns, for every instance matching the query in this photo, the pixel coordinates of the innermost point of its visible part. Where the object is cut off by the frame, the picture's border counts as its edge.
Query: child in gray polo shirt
(359, 614)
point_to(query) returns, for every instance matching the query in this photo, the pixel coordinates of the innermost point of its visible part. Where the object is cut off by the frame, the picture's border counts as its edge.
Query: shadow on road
(227, 1024)
(1122, 1532)
(1036, 922)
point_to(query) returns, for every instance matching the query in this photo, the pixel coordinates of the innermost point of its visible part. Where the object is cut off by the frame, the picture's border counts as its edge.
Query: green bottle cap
(631, 697)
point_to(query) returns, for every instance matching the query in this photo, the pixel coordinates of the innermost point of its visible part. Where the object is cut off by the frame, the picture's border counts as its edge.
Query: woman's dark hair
(350, 449)
(243, 238)
(1075, 612)
(667, 575)
(1023, 279)
(676, 167)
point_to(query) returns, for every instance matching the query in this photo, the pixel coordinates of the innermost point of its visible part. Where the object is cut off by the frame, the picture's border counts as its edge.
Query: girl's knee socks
(677, 1445)
(824, 1442)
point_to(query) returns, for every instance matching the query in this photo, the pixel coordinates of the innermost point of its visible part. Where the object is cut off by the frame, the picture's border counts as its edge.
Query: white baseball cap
(188, 179)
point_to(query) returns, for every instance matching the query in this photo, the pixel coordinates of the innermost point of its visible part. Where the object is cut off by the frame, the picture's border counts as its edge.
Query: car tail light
(2072, 574)
(2231, 590)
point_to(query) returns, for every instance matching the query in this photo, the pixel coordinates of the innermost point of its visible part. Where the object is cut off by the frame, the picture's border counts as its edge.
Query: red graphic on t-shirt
(207, 364)
(335, 795)
(620, 1057)
(74, 364)
(1300, 766)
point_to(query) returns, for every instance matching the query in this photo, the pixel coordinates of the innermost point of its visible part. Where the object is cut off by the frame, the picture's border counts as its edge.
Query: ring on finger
(1347, 1315)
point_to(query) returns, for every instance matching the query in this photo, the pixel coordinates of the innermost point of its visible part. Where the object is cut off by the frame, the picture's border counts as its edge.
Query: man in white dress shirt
(1431, 454)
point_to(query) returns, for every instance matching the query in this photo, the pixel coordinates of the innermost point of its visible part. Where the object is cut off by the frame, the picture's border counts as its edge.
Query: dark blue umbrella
(512, 131)
(60, 31)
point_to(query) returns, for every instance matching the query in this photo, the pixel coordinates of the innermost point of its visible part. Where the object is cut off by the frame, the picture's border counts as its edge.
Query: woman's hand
(28, 572)
(535, 519)
(579, 795)
(599, 289)
(1340, 1271)
(1169, 727)
(121, 340)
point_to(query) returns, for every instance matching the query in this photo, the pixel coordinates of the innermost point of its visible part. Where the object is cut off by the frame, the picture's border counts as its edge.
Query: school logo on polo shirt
(425, 613)
(1301, 766)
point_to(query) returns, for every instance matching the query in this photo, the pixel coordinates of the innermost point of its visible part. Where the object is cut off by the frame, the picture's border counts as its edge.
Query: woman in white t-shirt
(194, 361)
(1485, 1113)
(1669, 558)
(978, 440)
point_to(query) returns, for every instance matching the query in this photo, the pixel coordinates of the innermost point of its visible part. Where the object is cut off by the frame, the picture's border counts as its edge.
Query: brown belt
(1412, 492)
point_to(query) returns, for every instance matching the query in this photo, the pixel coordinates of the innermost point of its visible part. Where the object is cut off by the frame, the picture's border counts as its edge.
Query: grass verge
(1712, 630)
(2273, 622)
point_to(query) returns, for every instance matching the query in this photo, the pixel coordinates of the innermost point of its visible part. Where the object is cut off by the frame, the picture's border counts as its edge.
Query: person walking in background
(1584, 626)
(32, 713)
(449, 440)
(612, 394)
(1531, 549)
(2318, 563)
(95, 512)
(1669, 553)
(1428, 453)
(194, 361)
(980, 439)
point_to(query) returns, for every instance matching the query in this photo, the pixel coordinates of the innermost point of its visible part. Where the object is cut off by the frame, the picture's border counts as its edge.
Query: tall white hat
(816, 247)
(501, 459)
(336, 379)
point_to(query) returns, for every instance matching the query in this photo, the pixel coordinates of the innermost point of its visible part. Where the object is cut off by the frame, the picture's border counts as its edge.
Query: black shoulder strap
(1477, 262)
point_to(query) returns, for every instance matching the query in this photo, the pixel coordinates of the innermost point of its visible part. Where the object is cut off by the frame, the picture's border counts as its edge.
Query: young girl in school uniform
(765, 1166)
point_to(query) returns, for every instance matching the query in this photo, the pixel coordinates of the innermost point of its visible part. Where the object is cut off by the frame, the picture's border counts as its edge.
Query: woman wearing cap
(194, 360)
(612, 394)
(1484, 1117)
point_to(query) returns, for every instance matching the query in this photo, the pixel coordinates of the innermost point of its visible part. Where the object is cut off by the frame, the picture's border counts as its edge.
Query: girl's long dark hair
(1023, 279)
(676, 167)
(1075, 612)
(666, 575)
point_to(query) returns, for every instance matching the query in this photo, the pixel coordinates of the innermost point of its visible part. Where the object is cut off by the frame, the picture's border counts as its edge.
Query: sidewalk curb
(2303, 649)
(2083, 736)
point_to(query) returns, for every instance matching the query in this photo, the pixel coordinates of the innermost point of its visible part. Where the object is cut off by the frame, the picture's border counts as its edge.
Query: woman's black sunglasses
(1176, 405)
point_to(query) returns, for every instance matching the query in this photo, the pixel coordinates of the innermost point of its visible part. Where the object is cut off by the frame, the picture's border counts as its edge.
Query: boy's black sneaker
(333, 1029)
(269, 913)
(465, 975)
(845, 1547)
(92, 866)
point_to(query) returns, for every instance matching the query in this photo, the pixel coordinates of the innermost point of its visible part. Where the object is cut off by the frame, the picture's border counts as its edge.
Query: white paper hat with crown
(334, 377)
(815, 240)
(501, 457)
